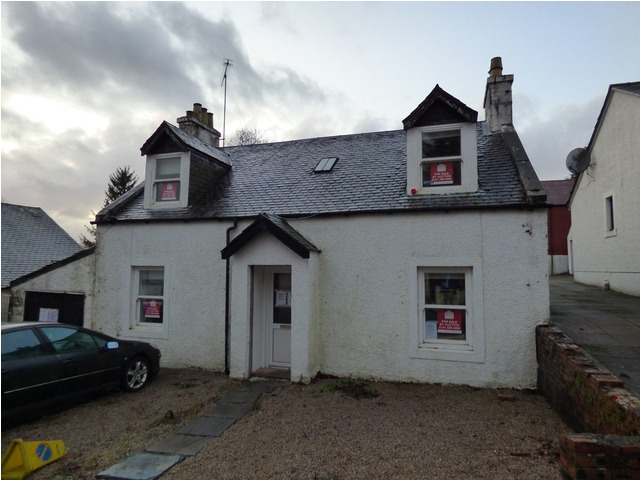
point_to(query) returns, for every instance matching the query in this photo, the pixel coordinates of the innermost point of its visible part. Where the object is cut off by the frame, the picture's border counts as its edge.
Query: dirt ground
(326, 430)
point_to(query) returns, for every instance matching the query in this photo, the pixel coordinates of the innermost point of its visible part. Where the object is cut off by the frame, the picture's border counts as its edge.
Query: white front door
(278, 316)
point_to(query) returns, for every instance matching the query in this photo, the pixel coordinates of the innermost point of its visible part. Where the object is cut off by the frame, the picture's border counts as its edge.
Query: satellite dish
(578, 160)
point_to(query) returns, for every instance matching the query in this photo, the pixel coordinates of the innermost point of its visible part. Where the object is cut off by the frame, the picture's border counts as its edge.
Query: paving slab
(207, 426)
(229, 410)
(180, 444)
(141, 466)
(241, 396)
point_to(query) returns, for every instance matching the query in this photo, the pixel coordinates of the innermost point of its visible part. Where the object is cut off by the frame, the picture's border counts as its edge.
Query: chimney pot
(210, 119)
(203, 115)
(495, 69)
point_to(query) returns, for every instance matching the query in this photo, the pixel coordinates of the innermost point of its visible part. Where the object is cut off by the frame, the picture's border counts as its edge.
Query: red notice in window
(442, 173)
(450, 321)
(169, 191)
(152, 309)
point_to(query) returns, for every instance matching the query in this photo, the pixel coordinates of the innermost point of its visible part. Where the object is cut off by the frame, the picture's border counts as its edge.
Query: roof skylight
(326, 164)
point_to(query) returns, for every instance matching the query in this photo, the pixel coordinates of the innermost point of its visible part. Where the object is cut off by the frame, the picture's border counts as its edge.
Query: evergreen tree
(120, 182)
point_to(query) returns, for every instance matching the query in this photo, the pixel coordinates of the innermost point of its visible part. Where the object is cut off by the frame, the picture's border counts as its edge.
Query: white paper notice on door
(283, 298)
(48, 315)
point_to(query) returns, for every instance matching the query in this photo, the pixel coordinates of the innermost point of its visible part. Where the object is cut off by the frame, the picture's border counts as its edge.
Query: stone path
(191, 438)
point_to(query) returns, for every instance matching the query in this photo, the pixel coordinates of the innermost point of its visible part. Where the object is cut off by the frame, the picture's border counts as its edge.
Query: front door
(278, 316)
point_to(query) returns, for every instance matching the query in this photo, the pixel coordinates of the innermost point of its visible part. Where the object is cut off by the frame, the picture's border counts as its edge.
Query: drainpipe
(227, 302)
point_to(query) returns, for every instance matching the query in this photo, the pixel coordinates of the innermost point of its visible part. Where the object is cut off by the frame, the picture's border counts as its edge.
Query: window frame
(471, 349)
(468, 160)
(609, 215)
(154, 328)
(152, 182)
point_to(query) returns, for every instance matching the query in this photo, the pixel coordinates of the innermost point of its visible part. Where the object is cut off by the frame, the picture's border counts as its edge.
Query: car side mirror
(112, 345)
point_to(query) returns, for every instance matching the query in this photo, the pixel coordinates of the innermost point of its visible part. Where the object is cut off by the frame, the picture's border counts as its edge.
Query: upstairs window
(441, 158)
(167, 180)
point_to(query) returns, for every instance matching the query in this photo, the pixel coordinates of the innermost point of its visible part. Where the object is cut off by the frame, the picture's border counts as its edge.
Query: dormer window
(169, 180)
(441, 158)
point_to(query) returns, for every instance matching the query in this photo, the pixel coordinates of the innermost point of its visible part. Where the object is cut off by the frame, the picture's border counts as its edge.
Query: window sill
(157, 330)
(447, 353)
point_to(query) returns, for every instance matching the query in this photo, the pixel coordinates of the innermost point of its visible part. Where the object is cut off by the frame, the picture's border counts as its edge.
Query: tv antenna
(227, 63)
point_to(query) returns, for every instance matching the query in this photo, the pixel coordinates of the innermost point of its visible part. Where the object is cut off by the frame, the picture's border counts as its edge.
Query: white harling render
(417, 254)
(604, 241)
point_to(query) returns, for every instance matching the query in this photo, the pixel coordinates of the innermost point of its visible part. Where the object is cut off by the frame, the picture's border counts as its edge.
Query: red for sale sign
(442, 173)
(169, 191)
(152, 309)
(450, 321)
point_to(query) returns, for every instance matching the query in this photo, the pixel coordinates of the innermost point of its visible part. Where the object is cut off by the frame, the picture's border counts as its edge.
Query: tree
(247, 136)
(120, 182)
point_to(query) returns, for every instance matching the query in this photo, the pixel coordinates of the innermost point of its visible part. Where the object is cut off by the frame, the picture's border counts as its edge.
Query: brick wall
(590, 399)
(589, 456)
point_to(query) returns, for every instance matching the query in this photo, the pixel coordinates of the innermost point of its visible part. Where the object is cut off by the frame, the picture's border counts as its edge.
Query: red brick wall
(588, 397)
(590, 456)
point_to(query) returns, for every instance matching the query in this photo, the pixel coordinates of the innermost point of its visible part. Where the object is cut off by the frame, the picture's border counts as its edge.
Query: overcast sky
(85, 84)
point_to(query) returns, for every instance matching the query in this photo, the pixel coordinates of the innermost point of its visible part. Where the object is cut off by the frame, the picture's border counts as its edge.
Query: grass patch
(355, 388)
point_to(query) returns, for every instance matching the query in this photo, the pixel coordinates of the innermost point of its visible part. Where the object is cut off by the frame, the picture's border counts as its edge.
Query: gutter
(227, 301)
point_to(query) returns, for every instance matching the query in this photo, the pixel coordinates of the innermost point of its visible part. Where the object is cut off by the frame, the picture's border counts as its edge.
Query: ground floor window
(149, 295)
(445, 314)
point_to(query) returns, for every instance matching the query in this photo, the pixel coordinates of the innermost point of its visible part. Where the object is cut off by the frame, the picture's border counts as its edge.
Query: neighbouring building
(31, 242)
(558, 224)
(604, 240)
(417, 254)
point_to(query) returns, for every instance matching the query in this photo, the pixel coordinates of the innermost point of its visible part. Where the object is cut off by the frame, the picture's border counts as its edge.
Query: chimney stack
(199, 123)
(497, 97)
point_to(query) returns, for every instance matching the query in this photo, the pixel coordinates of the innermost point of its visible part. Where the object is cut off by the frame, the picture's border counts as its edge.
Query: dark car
(46, 364)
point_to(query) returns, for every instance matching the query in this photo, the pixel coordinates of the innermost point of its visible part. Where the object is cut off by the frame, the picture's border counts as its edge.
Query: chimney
(199, 123)
(497, 97)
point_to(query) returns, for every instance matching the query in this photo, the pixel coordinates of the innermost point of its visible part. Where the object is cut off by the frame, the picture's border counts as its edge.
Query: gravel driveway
(316, 431)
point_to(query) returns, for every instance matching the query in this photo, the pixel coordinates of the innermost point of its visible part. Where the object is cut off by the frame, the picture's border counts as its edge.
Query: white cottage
(410, 255)
(604, 245)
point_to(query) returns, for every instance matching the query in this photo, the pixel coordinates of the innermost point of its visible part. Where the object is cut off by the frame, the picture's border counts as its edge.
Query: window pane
(168, 168)
(69, 340)
(444, 288)
(282, 298)
(151, 282)
(445, 324)
(21, 344)
(441, 173)
(167, 191)
(441, 144)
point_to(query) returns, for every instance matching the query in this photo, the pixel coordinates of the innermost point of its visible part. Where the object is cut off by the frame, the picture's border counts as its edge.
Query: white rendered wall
(73, 278)
(355, 313)
(193, 331)
(597, 255)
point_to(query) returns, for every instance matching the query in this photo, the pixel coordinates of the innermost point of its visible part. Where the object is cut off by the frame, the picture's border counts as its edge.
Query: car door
(30, 371)
(86, 364)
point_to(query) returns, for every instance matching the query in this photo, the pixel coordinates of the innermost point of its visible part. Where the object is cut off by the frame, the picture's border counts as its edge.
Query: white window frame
(472, 348)
(609, 215)
(468, 160)
(150, 201)
(137, 326)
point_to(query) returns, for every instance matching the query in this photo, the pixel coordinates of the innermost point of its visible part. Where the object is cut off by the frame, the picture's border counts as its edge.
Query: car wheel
(136, 374)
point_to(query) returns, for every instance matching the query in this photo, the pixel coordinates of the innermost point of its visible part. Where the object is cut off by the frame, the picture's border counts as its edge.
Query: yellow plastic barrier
(22, 458)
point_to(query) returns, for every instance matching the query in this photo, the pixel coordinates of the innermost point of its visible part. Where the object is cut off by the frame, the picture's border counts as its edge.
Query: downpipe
(227, 301)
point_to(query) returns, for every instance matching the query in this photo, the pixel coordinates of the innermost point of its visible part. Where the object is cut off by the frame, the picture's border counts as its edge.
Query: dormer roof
(439, 108)
(183, 142)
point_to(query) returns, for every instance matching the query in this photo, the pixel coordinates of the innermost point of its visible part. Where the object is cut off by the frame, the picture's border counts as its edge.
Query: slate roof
(31, 240)
(370, 176)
